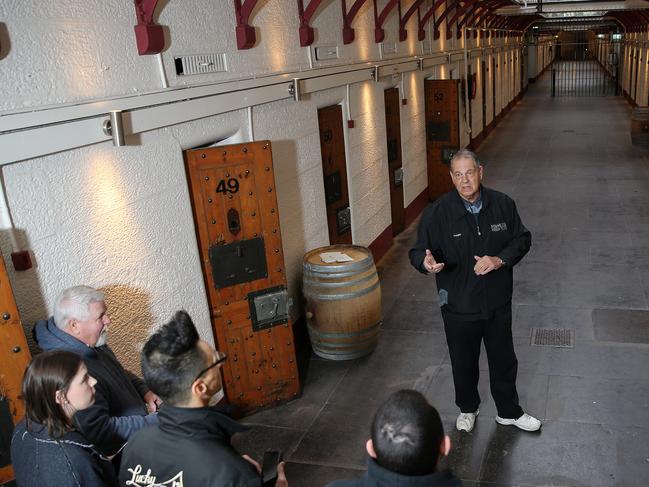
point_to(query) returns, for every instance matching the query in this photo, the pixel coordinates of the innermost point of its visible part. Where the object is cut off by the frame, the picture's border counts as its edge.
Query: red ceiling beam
(430, 13)
(487, 7)
(467, 19)
(149, 36)
(403, 33)
(245, 33)
(488, 13)
(307, 34)
(497, 22)
(348, 18)
(442, 17)
(379, 19)
(464, 11)
(421, 23)
(421, 32)
(457, 11)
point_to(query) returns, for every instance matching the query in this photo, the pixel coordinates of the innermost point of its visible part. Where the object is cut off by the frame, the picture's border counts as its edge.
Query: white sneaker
(466, 421)
(525, 422)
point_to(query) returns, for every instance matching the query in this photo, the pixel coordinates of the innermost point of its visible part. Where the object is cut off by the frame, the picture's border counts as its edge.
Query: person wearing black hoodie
(191, 444)
(406, 444)
(79, 325)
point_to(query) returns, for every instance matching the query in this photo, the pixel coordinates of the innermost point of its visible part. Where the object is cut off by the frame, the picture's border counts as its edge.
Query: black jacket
(190, 446)
(71, 461)
(451, 233)
(119, 408)
(377, 476)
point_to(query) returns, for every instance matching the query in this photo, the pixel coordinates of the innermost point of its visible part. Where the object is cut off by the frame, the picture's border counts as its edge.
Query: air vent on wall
(200, 63)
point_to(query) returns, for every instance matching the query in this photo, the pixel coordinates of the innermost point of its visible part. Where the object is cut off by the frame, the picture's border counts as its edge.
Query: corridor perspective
(582, 190)
(211, 204)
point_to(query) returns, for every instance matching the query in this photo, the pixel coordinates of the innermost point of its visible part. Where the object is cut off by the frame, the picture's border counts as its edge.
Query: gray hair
(74, 303)
(465, 154)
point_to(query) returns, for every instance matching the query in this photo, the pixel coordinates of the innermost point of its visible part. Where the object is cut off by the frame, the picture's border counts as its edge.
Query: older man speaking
(470, 238)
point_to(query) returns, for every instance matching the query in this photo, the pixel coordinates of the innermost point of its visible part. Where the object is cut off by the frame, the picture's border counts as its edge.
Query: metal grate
(553, 337)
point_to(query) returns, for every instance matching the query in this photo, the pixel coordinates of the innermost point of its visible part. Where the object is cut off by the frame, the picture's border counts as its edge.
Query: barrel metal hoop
(335, 275)
(364, 331)
(352, 354)
(340, 284)
(366, 262)
(338, 297)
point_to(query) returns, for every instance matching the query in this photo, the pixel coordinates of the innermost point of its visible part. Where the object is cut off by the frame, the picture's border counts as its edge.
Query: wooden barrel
(343, 303)
(640, 126)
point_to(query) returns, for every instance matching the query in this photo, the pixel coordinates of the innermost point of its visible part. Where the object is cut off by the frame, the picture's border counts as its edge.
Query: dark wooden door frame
(395, 160)
(335, 174)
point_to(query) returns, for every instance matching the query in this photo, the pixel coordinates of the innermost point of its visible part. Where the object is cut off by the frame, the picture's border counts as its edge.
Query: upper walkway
(583, 191)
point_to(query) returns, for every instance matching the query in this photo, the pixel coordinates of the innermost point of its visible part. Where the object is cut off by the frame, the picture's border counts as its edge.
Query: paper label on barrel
(331, 257)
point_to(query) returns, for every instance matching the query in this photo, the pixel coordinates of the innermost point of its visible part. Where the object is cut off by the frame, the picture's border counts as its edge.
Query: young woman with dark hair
(46, 450)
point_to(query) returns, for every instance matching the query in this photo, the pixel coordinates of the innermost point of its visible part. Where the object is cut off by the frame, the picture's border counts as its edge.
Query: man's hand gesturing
(485, 264)
(431, 264)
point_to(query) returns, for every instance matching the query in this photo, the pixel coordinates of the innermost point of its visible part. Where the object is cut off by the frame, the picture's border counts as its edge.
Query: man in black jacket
(80, 325)
(470, 239)
(191, 444)
(406, 444)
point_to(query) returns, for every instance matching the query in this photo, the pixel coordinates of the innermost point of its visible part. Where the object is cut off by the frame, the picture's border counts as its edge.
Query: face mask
(217, 398)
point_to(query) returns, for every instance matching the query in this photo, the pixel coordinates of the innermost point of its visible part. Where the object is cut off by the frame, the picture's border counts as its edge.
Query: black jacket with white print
(189, 447)
(455, 237)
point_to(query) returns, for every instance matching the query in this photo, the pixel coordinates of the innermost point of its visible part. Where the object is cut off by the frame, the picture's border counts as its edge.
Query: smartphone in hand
(269, 467)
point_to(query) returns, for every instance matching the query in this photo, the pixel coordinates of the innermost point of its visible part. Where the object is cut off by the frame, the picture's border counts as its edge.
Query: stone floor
(583, 191)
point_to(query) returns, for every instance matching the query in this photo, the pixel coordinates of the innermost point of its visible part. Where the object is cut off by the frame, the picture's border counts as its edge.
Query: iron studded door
(442, 133)
(334, 171)
(395, 170)
(14, 357)
(237, 221)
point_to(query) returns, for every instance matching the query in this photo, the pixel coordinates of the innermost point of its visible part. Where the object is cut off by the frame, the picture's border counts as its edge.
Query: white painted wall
(120, 218)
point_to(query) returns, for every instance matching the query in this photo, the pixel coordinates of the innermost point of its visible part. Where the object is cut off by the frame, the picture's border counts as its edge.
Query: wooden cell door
(395, 169)
(442, 133)
(334, 171)
(237, 222)
(14, 358)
